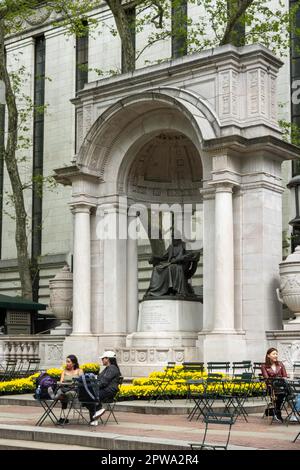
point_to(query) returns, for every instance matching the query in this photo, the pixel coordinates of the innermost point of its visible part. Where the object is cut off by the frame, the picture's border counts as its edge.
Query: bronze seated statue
(172, 271)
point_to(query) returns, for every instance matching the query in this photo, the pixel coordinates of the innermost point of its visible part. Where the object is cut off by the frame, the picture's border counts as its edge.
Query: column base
(292, 325)
(84, 346)
(89, 347)
(222, 346)
(62, 330)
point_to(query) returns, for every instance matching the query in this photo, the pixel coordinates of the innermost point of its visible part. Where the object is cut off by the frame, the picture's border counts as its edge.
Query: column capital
(113, 208)
(223, 186)
(81, 207)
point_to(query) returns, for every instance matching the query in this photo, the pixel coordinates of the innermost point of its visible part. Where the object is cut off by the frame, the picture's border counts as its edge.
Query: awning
(18, 303)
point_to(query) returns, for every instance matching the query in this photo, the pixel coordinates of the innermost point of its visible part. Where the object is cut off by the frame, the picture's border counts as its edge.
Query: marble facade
(222, 104)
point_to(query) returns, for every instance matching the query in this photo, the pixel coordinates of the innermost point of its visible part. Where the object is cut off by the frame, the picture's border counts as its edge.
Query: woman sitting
(64, 393)
(108, 383)
(271, 369)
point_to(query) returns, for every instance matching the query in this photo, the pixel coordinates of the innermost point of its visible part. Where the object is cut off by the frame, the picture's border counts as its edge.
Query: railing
(20, 349)
(48, 348)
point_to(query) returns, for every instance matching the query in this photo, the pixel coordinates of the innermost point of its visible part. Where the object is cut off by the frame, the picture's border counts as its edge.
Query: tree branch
(232, 21)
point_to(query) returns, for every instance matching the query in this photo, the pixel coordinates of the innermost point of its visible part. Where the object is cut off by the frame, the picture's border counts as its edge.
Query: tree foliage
(219, 22)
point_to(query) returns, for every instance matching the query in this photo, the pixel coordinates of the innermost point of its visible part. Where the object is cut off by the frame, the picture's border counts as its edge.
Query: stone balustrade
(48, 349)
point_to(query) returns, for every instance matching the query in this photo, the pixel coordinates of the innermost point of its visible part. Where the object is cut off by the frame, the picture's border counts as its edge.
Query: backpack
(43, 382)
(297, 402)
(87, 388)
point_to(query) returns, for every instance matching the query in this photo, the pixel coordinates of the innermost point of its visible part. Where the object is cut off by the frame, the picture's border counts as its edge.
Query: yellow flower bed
(146, 386)
(27, 384)
(140, 387)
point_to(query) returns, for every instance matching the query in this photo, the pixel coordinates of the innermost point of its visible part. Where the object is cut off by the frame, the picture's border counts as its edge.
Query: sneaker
(94, 423)
(59, 393)
(278, 419)
(63, 421)
(51, 393)
(293, 419)
(99, 413)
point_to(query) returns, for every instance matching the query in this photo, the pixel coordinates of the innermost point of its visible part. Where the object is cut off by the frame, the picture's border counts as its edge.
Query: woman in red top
(273, 368)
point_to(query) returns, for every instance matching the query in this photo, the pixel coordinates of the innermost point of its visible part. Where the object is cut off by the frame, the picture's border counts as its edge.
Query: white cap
(108, 354)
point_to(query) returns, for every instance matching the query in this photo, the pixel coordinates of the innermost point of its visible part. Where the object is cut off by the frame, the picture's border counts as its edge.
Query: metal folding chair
(242, 366)
(256, 367)
(204, 400)
(296, 437)
(9, 370)
(296, 369)
(276, 386)
(110, 405)
(48, 407)
(293, 391)
(212, 422)
(221, 366)
(160, 385)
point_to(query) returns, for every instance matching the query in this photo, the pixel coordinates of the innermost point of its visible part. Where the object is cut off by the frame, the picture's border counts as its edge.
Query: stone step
(175, 407)
(18, 444)
(97, 440)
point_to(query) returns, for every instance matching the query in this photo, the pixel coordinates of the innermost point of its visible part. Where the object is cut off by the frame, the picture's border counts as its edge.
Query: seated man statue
(172, 270)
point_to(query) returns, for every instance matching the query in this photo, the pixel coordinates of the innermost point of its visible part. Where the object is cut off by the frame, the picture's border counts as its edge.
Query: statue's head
(176, 237)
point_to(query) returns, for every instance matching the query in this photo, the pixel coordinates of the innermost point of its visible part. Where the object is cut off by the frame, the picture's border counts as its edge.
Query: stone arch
(134, 119)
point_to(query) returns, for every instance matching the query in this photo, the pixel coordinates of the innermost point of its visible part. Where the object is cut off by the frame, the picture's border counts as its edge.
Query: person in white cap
(108, 381)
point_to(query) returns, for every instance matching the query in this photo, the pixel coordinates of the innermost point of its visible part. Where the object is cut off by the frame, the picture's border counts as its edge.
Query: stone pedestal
(222, 346)
(167, 331)
(170, 315)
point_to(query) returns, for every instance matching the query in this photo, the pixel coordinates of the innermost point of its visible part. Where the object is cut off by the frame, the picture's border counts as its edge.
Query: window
(82, 58)
(295, 87)
(38, 155)
(179, 28)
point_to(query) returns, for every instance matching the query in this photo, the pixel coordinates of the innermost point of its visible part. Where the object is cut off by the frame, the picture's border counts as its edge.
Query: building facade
(198, 131)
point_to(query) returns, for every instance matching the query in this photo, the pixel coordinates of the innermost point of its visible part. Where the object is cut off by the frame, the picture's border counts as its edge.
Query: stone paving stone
(257, 433)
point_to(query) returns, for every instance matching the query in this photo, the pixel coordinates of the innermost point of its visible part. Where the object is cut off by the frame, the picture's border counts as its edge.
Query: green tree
(10, 14)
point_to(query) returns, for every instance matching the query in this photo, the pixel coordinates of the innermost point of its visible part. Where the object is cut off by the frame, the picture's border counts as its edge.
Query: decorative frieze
(228, 93)
(150, 356)
(253, 92)
(273, 103)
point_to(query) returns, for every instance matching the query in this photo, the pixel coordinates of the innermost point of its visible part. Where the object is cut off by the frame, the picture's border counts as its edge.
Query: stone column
(81, 269)
(115, 270)
(132, 275)
(224, 268)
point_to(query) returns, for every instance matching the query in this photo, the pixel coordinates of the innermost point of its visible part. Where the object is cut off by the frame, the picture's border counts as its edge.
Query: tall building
(198, 130)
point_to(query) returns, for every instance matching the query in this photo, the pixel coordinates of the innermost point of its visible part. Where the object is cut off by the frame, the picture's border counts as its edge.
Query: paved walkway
(142, 430)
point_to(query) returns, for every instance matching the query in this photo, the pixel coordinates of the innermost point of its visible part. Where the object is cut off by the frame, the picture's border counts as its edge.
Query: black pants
(278, 404)
(97, 405)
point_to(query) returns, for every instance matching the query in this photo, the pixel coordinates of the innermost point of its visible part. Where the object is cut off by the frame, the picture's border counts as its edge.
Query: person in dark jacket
(271, 369)
(108, 381)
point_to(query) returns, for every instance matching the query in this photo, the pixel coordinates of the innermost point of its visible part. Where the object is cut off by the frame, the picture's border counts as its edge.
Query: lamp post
(293, 185)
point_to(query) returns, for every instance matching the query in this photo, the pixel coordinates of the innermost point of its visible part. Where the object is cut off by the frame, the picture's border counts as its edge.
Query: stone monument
(170, 314)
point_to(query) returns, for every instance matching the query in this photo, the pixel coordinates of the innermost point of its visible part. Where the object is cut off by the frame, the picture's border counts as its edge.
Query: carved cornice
(38, 17)
(268, 145)
(67, 175)
(210, 59)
